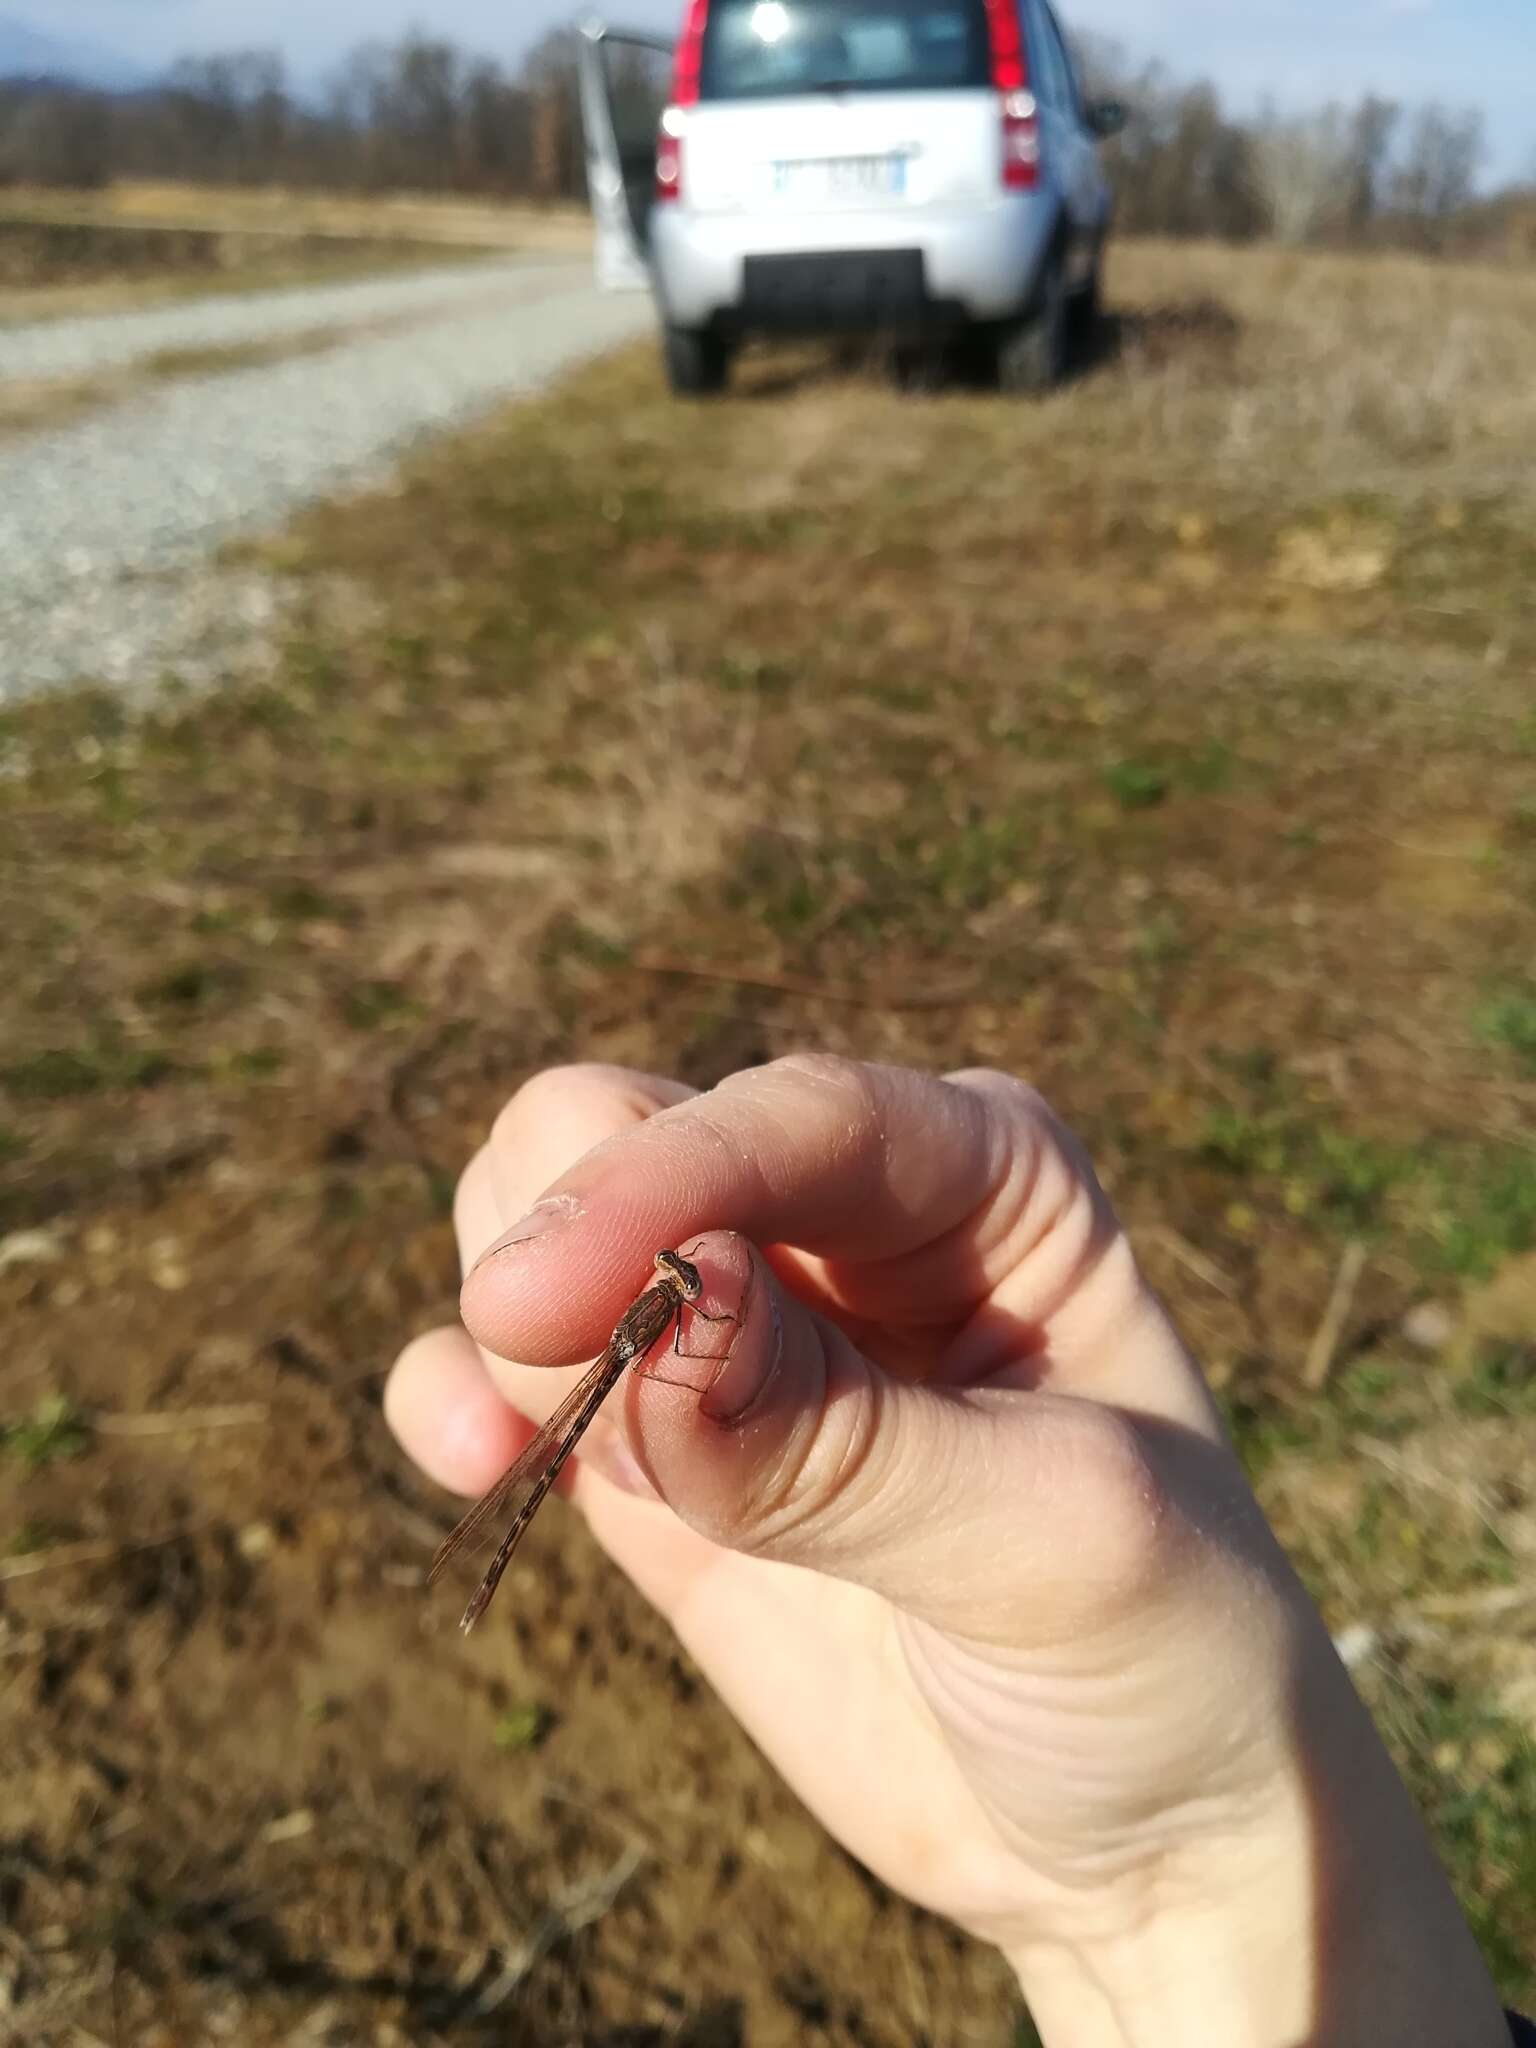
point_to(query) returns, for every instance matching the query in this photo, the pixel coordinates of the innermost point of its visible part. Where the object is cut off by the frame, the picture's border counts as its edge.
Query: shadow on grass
(1152, 336)
(1159, 334)
(221, 1939)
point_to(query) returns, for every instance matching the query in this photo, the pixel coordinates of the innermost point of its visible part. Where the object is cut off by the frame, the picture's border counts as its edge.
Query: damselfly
(522, 1487)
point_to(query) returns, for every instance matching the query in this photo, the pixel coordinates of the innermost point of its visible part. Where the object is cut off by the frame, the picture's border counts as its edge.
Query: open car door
(625, 81)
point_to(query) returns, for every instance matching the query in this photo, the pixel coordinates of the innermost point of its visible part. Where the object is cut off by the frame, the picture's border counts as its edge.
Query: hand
(953, 1529)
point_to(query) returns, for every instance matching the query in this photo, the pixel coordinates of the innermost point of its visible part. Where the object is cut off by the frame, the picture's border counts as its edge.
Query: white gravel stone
(84, 347)
(1429, 1326)
(107, 526)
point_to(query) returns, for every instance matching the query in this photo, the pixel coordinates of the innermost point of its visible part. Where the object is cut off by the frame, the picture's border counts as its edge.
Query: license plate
(839, 177)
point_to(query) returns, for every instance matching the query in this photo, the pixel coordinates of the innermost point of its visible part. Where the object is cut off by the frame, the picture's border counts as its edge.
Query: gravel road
(107, 526)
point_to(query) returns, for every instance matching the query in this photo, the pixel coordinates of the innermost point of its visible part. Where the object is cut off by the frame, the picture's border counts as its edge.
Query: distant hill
(27, 52)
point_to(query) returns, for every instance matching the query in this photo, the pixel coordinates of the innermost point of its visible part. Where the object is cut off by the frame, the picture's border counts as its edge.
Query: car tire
(1031, 353)
(697, 361)
(918, 368)
(1086, 313)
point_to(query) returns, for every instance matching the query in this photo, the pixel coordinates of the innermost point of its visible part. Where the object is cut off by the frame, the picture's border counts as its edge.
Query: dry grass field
(140, 243)
(398, 216)
(1172, 742)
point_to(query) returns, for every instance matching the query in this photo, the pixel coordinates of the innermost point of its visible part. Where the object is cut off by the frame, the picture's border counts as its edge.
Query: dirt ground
(1171, 742)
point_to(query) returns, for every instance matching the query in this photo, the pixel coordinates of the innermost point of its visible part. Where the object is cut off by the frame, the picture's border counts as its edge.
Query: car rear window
(765, 49)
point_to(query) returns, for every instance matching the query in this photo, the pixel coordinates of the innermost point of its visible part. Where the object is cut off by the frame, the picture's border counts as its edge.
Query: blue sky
(1477, 52)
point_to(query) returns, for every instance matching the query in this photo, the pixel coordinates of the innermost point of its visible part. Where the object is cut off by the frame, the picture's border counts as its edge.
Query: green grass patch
(374, 1005)
(1484, 1210)
(302, 903)
(257, 1063)
(749, 675)
(984, 858)
(522, 1727)
(570, 941)
(1161, 941)
(1136, 785)
(56, 1429)
(59, 1072)
(1341, 1176)
(1377, 1396)
(1500, 1381)
(1472, 1771)
(1141, 783)
(1508, 1020)
(191, 985)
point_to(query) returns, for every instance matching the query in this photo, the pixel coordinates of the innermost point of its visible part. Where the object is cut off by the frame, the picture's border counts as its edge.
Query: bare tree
(1180, 166)
(495, 131)
(1300, 168)
(549, 70)
(1372, 130)
(54, 136)
(1437, 175)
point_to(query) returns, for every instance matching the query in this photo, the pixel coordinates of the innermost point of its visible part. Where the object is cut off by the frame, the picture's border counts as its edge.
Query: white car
(922, 168)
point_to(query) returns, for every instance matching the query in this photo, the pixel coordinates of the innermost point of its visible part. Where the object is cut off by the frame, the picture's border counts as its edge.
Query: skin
(947, 1517)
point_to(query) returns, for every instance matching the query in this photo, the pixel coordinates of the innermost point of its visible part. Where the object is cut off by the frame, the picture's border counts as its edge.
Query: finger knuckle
(1042, 1182)
(1017, 1106)
(548, 1092)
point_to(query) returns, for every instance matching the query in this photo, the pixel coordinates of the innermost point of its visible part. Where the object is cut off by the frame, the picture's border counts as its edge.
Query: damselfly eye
(683, 1271)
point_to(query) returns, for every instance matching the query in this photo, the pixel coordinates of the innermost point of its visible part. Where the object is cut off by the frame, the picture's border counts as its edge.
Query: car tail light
(687, 68)
(688, 63)
(1021, 142)
(669, 161)
(1021, 116)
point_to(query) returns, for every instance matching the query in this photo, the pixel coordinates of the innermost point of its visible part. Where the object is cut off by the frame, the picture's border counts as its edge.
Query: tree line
(422, 115)
(1375, 172)
(419, 115)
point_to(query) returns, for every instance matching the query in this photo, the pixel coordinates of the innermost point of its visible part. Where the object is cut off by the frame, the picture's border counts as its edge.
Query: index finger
(917, 1192)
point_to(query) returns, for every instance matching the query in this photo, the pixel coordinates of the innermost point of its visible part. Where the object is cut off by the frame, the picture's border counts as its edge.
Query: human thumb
(999, 1513)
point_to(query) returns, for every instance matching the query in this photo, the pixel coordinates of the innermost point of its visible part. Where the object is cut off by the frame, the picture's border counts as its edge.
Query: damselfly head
(683, 1272)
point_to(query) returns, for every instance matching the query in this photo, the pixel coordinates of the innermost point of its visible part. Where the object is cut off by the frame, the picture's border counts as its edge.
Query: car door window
(1069, 71)
(638, 78)
(1059, 58)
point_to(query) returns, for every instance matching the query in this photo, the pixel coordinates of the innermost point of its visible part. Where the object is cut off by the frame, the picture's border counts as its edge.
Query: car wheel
(697, 361)
(975, 358)
(918, 368)
(1032, 353)
(1086, 315)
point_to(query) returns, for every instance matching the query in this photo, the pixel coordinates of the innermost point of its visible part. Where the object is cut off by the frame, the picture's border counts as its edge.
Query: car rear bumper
(816, 272)
(839, 291)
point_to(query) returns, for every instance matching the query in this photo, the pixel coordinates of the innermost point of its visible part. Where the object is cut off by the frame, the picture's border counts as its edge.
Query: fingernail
(542, 1218)
(747, 1367)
